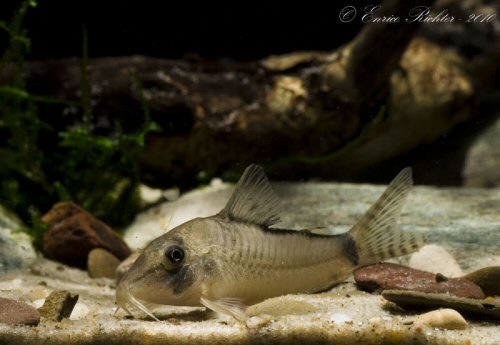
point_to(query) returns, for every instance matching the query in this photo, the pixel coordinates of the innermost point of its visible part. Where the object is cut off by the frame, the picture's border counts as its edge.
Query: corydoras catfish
(236, 258)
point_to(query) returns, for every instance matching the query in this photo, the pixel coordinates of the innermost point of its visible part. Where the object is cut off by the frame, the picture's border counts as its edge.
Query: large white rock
(155, 221)
(16, 249)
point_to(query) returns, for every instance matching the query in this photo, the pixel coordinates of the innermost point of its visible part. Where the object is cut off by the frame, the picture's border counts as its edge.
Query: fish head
(170, 270)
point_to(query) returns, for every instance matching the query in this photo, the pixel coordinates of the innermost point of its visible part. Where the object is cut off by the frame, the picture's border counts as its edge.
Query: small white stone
(38, 303)
(150, 195)
(256, 322)
(436, 259)
(37, 293)
(17, 282)
(442, 318)
(216, 182)
(341, 318)
(171, 194)
(79, 311)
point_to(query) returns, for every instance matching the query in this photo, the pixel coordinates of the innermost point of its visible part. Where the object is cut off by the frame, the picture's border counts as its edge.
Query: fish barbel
(236, 258)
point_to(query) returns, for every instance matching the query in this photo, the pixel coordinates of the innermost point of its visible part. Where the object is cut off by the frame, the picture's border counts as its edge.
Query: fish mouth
(124, 299)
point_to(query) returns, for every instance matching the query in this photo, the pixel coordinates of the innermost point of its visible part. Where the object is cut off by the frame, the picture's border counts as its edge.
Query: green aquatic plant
(21, 160)
(43, 162)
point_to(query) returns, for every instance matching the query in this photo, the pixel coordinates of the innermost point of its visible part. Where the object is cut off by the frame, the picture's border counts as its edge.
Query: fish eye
(175, 254)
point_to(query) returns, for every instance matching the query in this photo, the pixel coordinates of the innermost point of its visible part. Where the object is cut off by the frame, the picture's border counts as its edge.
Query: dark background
(237, 30)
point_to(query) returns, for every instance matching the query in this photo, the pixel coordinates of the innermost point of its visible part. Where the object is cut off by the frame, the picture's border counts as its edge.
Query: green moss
(42, 165)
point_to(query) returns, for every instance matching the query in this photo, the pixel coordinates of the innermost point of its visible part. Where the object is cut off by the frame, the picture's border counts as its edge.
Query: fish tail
(377, 236)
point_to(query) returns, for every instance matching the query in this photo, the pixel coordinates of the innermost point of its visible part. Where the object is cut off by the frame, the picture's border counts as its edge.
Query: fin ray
(253, 199)
(229, 306)
(376, 234)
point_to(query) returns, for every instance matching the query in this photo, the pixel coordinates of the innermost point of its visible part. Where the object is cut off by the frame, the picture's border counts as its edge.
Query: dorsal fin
(253, 199)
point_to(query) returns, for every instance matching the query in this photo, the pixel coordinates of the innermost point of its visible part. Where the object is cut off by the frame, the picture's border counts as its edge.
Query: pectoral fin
(229, 306)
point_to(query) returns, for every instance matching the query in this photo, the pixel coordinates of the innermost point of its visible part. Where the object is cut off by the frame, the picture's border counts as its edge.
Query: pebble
(73, 233)
(80, 311)
(488, 279)
(38, 303)
(17, 282)
(14, 312)
(257, 322)
(102, 264)
(443, 319)
(38, 292)
(341, 318)
(150, 195)
(388, 276)
(58, 305)
(436, 259)
(488, 308)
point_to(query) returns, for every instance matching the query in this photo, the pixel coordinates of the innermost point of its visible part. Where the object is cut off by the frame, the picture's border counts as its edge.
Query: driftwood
(321, 114)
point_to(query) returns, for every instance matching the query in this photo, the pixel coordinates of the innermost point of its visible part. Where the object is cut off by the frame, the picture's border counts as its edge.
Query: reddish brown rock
(73, 233)
(18, 313)
(386, 276)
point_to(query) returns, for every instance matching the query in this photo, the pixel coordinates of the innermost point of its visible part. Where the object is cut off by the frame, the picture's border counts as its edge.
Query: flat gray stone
(464, 221)
(16, 250)
(489, 308)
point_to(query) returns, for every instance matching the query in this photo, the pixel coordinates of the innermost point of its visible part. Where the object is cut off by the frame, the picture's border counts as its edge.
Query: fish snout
(122, 295)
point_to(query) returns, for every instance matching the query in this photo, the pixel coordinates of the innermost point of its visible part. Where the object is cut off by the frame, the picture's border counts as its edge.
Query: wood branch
(326, 114)
(377, 50)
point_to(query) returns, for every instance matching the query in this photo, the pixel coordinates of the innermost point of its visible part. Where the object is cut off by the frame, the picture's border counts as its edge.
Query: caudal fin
(377, 235)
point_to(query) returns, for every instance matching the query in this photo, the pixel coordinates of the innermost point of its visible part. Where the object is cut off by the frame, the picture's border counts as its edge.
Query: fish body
(236, 258)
